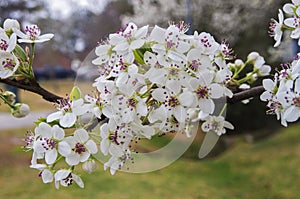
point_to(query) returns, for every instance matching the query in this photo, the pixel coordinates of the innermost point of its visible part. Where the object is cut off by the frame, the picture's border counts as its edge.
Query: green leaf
(75, 93)
(138, 55)
(19, 52)
(40, 120)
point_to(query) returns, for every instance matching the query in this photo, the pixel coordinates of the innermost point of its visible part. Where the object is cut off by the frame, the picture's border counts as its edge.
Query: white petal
(121, 47)
(115, 39)
(104, 131)
(102, 50)
(207, 105)
(47, 36)
(61, 174)
(129, 57)
(228, 125)
(67, 120)
(137, 44)
(180, 113)
(289, 22)
(217, 91)
(104, 146)
(174, 86)
(133, 69)
(84, 156)
(157, 34)
(176, 56)
(78, 180)
(12, 42)
(183, 47)
(54, 116)
(39, 166)
(81, 135)
(47, 176)
(64, 148)
(58, 133)
(186, 98)
(44, 130)
(150, 58)
(50, 156)
(91, 147)
(265, 96)
(20, 34)
(292, 114)
(115, 150)
(159, 94)
(288, 8)
(142, 32)
(268, 84)
(141, 108)
(73, 159)
(156, 75)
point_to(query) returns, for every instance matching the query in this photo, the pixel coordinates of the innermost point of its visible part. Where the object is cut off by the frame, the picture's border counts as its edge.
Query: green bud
(9, 96)
(20, 110)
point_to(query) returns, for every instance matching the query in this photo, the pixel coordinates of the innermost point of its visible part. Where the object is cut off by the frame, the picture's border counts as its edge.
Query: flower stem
(6, 102)
(223, 109)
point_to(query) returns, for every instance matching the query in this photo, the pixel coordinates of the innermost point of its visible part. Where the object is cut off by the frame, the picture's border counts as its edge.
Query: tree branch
(35, 87)
(32, 86)
(246, 94)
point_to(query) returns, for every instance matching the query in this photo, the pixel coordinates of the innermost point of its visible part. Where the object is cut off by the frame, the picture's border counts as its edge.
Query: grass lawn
(265, 169)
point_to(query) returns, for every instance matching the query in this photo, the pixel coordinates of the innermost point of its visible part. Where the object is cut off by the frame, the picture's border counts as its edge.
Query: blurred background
(253, 161)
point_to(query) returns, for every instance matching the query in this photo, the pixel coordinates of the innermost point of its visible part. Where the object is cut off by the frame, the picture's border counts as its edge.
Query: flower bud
(10, 97)
(239, 62)
(89, 166)
(10, 24)
(20, 110)
(253, 56)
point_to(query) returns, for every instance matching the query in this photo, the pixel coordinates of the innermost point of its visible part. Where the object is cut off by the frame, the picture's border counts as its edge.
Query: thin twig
(32, 86)
(246, 94)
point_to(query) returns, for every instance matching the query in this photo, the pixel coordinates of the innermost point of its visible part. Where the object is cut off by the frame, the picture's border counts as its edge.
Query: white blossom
(32, 35)
(9, 63)
(77, 148)
(217, 124)
(46, 142)
(66, 178)
(68, 112)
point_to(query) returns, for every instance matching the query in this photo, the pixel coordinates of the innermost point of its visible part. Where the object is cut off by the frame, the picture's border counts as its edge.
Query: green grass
(262, 170)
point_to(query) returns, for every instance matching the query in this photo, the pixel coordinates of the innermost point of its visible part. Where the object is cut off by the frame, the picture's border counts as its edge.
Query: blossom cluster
(292, 23)
(283, 93)
(51, 144)
(161, 81)
(9, 49)
(14, 61)
(150, 83)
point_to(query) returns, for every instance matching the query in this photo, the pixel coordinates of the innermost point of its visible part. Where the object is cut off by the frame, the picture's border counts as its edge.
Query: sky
(63, 8)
